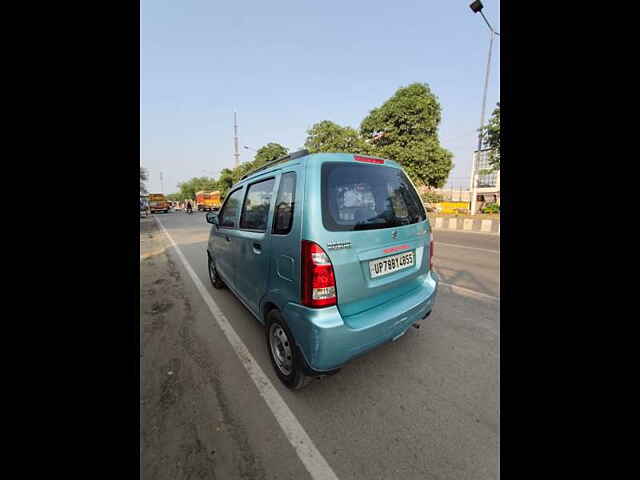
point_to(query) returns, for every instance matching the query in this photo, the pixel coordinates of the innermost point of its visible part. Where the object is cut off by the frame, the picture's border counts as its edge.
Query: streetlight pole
(476, 7)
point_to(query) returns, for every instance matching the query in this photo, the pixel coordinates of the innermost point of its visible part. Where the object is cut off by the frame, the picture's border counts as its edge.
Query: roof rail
(291, 156)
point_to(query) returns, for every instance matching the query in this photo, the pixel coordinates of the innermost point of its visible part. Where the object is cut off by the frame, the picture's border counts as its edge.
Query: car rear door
(374, 209)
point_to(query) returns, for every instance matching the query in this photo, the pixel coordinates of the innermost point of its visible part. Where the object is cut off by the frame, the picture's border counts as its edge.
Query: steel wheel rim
(280, 349)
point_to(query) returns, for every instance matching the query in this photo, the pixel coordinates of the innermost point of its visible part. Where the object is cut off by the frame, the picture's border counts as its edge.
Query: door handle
(257, 248)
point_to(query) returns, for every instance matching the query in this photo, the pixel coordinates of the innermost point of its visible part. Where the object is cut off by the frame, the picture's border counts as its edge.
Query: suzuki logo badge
(394, 234)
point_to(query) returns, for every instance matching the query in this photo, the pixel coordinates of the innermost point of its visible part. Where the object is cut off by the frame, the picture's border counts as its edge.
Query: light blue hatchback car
(330, 251)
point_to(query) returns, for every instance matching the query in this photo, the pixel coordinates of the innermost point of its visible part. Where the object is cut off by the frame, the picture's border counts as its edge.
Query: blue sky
(285, 65)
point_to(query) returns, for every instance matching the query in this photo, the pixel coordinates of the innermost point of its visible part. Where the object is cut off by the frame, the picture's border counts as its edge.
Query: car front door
(223, 237)
(251, 245)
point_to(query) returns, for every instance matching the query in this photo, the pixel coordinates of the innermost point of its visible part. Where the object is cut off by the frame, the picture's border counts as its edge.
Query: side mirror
(212, 217)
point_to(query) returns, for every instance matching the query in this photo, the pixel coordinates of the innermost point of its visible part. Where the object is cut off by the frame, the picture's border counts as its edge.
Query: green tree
(240, 171)
(225, 181)
(189, 188)
(327, 136)
(144, 176)
(491, 139)
(405, 129)
(269, 153)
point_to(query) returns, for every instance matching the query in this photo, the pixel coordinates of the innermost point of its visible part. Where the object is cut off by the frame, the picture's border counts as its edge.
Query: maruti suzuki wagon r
(330, 251)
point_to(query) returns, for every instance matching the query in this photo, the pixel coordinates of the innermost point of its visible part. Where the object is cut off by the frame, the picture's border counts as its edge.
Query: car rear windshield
(367, 197)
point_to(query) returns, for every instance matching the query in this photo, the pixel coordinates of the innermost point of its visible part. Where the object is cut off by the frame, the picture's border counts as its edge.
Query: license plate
(386, 265)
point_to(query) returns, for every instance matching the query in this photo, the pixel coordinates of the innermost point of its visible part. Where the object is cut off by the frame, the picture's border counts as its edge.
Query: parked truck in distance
(208, 201)
(158, 203)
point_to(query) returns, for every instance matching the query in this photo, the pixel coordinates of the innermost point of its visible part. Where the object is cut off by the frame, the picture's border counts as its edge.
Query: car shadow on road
(463, 279)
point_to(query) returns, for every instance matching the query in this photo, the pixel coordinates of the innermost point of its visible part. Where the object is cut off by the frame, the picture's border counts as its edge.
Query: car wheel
(216, 281)
(285, 358)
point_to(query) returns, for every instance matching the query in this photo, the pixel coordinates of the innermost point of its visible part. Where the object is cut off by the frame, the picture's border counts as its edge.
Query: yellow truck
(208, 201)
(158, 203)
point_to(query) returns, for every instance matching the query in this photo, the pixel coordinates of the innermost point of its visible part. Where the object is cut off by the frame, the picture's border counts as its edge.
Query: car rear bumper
(327, 342)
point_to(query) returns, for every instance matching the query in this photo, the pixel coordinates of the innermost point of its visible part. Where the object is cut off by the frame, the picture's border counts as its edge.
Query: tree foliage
(327, 136)
(189, 188)
(269, 153)
(225, 181)
(405, 129)
(265, 154)
(491, 139)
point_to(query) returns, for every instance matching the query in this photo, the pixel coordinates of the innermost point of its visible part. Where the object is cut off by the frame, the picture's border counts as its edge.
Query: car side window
(230, 210)
(284, 204)
(256, 205)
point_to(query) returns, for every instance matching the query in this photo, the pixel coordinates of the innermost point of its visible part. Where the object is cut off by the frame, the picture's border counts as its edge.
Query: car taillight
(431, 252)
(318, 281)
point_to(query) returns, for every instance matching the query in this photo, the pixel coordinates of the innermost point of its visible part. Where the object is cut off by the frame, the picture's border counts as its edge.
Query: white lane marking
(312, 459)
(466, 291)
(468, 248)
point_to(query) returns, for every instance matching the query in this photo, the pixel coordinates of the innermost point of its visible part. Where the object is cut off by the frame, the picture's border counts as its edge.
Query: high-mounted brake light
(318, 280)
(358, 158)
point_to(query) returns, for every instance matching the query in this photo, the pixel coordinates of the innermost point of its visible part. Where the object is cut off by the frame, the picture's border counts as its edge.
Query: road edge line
(311, 458)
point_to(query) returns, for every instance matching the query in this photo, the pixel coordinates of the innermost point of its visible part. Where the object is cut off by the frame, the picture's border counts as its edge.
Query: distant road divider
(489, 226)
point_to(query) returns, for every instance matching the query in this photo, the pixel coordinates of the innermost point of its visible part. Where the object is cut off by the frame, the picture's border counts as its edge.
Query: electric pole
(235, 138)
(161, 182)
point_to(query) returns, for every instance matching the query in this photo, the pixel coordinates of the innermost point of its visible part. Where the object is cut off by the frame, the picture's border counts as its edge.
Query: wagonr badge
(338, 245)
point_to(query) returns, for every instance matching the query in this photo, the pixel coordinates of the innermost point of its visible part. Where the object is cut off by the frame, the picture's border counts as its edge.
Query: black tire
(215, 279)
(294, 376)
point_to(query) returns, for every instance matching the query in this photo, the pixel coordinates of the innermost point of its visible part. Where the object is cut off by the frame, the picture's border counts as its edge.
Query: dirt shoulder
(187, 431)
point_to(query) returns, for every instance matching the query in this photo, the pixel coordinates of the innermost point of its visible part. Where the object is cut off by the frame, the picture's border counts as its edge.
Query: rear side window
(285, 204)
(231, 209)
(367, 197)
(256, 206)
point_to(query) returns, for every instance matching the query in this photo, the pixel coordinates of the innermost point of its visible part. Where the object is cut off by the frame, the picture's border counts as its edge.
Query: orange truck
(158, 203)
(209, 201)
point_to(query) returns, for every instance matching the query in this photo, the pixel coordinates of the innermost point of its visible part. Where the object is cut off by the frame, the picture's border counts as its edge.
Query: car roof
(345, 157)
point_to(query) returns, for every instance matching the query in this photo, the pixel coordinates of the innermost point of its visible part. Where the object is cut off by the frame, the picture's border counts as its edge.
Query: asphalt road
(423, 407)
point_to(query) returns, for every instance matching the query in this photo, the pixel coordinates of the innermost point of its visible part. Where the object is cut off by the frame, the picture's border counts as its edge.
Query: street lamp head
(476, 6)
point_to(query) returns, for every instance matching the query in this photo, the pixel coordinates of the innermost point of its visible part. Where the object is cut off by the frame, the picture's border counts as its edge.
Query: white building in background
(487, 185)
